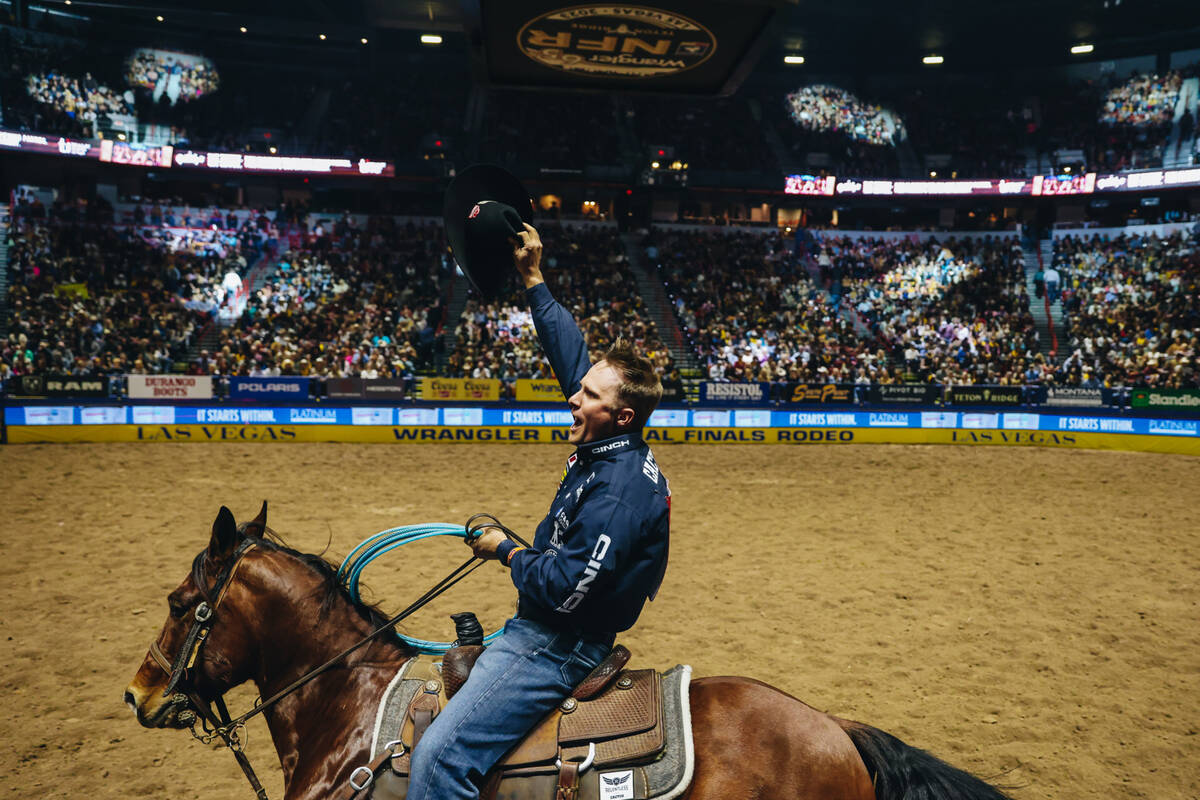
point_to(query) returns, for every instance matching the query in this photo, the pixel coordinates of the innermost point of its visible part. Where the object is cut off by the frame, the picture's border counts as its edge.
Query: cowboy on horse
(599, 553)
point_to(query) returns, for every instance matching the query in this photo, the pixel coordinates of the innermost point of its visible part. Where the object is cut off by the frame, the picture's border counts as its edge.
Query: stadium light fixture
(159, 18)
(322, 37)
(932, 60)
(242, 29)
(793, 59)
(431, 38)
(1081, 49)
(363, 40)
(273, 149)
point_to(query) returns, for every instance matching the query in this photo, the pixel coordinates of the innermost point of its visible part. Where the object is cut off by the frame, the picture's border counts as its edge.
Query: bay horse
(277, 613)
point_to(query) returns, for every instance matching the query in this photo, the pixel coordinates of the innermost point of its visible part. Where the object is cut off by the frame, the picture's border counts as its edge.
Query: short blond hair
(640, 387)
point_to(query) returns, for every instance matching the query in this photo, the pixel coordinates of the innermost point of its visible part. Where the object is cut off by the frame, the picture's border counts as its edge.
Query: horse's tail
(902, 772)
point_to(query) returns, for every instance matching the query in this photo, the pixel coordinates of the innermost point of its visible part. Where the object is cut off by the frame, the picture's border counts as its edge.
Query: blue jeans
(517, 681)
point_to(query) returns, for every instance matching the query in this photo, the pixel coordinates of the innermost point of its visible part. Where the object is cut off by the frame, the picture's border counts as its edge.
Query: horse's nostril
(129, 701)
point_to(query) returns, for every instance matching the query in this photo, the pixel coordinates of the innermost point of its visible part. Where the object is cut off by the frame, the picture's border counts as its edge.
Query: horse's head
(203, 649)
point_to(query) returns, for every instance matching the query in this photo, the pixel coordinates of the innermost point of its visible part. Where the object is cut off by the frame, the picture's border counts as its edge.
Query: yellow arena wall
(383, 434)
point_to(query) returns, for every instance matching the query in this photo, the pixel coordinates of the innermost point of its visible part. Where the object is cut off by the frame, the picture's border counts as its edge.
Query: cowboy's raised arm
(557, 331)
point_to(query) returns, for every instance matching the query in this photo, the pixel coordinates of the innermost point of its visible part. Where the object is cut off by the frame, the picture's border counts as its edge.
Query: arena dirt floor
(1029, 614)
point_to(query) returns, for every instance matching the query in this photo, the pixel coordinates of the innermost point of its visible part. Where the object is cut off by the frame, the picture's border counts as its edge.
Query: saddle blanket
(665, 778)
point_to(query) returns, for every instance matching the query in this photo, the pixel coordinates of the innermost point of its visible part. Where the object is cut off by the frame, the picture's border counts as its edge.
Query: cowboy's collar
(604, 447)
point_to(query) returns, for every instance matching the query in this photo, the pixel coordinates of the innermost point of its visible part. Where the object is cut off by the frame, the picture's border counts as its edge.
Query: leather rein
(214, 716)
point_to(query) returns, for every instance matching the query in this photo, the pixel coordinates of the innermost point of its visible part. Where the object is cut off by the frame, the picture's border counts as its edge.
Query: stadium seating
(351, 303)
(1131, 310)
(92, 299)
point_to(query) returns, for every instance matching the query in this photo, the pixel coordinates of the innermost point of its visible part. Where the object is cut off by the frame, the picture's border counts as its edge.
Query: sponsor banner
(250, 162)
(985, 395)
(50, 415)
(102, 415)
(980, 420)
(1189, 444)
(462, 416)
(669, 418)
(704, 418)
(174, 387)
(62, 386)
(460, 389)
(268, 388)
(892, 419)
(752, 418)
(809, 184)
(925, 393)
(313, 416)
(1100, 424)
(792, 419)
(371, 416)
(1074, 396)
(1020, 422)
(1166, 399)
(939, 419)
(538, 391)
(740, 393)
(343, 388)
(805, 393)
(153, 415)
(416, 416)
(530, 416)
(385, 388)
(1174, 427)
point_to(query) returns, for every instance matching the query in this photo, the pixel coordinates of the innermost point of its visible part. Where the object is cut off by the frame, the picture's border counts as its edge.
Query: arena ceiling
(832, 36)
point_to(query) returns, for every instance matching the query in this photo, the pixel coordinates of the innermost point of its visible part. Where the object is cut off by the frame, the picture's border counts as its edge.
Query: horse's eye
(176, 610)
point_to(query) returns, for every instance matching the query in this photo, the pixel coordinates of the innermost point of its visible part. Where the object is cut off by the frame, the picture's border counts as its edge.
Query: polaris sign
(268, 389)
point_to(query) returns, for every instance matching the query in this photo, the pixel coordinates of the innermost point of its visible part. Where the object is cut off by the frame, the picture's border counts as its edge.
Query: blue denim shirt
(601, 551)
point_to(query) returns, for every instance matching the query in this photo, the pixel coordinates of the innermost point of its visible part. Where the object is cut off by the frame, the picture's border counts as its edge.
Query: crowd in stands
(751, 311)
(178, 78)
(80, 99)
(1131, 309)
(1143, 100)
(89, 298)
(587, 272)
(950, 312)
(824, 108)
(352, 302)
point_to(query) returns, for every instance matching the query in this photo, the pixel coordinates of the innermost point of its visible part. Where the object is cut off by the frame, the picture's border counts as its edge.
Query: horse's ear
(224, 535)
(258, 526)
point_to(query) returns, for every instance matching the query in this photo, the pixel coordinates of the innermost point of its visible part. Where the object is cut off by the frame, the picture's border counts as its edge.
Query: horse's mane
(334, 588)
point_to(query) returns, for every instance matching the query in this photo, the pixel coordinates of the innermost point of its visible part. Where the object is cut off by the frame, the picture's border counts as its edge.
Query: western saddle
(614, 718)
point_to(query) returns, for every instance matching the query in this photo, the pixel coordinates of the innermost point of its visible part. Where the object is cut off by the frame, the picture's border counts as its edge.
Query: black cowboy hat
(485, 206)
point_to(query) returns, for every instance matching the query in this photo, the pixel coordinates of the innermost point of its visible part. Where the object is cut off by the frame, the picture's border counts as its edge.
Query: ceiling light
(363, 40)
(322, 37)
(242, 29)
(273, 149)
(793, 59)
(1080, 49)
(932, 60)
(67, 2)
(431, 38)
(159, 18)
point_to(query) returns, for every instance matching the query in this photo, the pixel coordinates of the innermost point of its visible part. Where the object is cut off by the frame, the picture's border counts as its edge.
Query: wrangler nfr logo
(624, 41)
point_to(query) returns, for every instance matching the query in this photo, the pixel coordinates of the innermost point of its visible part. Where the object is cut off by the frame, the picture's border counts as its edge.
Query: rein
(230, 731)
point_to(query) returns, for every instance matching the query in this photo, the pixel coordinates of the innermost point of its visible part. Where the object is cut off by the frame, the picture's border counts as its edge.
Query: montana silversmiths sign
(614, 40)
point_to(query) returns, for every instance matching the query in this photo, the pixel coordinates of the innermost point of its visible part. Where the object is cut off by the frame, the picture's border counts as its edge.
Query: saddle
(608, 740)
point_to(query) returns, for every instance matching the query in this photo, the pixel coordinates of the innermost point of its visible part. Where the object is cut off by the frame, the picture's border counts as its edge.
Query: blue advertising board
(269, 389)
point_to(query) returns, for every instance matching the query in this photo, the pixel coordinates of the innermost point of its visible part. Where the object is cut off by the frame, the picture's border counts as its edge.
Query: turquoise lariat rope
(373, 547)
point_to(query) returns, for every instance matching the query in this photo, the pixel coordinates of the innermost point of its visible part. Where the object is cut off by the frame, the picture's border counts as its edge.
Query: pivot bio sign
(616, 41)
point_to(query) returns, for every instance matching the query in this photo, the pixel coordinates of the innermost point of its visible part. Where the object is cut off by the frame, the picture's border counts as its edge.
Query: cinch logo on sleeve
(589, 574)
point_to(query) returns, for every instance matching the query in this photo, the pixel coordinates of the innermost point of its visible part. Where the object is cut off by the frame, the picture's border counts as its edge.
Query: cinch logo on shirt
(589, 574)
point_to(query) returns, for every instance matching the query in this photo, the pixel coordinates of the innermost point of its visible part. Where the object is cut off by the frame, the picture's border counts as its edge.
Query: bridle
(214, 717)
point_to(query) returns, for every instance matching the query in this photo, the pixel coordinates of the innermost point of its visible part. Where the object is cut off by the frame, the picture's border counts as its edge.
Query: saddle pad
(665, 778)
(393, 706)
